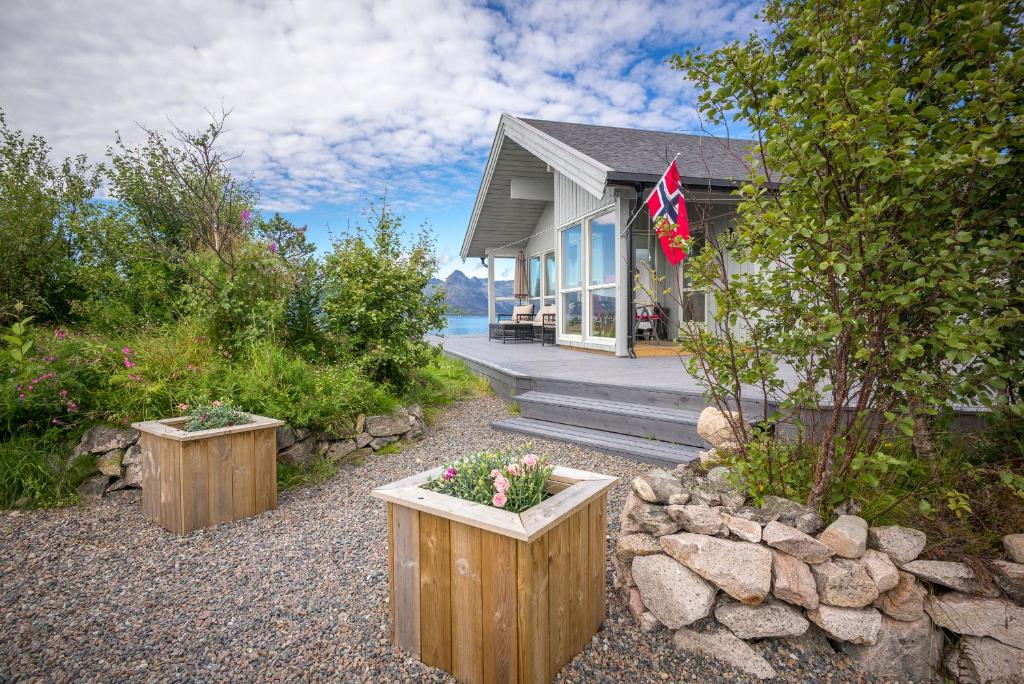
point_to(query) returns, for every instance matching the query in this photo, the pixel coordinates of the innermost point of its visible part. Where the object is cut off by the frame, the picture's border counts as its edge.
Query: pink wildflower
(135, 378)
(72, 407)
(246, 215)
(59, 334)
(21, 395)
(63, 393)
(128, 363)
(501, 484)
(449, 474)
(272, 248)
(499, 500)
(126, 351)
(530, 461)
(215, 403)
(514, 469)
(495, 473)
(183, 407)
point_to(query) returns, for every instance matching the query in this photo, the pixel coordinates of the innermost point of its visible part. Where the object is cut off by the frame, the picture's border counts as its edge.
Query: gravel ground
(95, 593)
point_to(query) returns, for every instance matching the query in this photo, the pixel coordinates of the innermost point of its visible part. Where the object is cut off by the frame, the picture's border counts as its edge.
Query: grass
(33, 474)
(318, 470)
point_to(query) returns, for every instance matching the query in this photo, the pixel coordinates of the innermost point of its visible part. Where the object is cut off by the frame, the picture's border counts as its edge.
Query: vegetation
(503, 480)
(179, 293)
(216, 414)
(883, 212)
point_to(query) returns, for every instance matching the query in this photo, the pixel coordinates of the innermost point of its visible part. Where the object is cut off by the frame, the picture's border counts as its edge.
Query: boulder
(699, 519)
(1009, 578)
(977, 660)
(856, 625)
(640, 516)
(287, 436)
(360, 425)
(902, 544)
(905, 601)
(657, 486)
(747, 530)
(679, 499)
(339, 450)
(132, 455)
(787, 512)
(741, 569)
(101, 439)
(703, 494)
(904, 651)
(726, 648)
(811, 643)
(110, 463)
(792, 580)
(363, 439)
(671, 591)
(631, 545)
(299, 453)
(416, 411)
(709, 458)
(713, 425)
(1013, 544)
(976, 616)
(381, 442)
(795, 543)
(882, 570)
(844, 582)
(94, 487)
(720, 479)
(623, 574)
(388, 426)
(772, 618)
(847, 536)
(959, 576)
(132, 476)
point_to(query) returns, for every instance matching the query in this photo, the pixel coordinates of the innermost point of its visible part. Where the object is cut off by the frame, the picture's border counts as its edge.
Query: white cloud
(335, 101)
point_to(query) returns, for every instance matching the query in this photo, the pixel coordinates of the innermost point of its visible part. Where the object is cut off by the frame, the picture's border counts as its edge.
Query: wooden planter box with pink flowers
(492, 595)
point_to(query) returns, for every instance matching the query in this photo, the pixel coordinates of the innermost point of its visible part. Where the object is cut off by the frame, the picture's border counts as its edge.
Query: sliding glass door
(587, 288)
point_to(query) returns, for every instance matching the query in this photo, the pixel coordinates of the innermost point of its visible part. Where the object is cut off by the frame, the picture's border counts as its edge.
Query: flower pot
(198, 479)
(494, 596)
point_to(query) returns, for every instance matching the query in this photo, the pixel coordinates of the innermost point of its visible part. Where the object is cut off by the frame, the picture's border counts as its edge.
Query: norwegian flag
(667, 207)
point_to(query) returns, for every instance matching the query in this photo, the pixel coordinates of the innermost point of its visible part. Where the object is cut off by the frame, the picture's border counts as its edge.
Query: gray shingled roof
(636, 155)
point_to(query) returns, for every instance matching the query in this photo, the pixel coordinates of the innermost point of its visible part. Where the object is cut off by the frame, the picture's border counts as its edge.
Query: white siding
(543, 238)
(572, 201)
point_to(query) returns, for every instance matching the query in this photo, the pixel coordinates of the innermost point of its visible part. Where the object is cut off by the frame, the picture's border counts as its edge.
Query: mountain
(468, 296)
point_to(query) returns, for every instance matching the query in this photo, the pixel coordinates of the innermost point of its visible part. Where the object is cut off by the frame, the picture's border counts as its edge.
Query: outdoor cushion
(517, 311)
(548, 309)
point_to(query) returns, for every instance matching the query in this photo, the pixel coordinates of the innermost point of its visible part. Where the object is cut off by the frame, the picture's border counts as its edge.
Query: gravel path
(95, 593)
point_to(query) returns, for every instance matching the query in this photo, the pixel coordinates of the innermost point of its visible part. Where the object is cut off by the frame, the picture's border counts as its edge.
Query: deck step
(674, 425)
(635, 448)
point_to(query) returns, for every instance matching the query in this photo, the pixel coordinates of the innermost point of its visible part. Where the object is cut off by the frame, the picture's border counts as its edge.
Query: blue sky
(335, 103)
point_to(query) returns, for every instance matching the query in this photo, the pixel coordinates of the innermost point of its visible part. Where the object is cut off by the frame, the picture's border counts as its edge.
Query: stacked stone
(118, 456)
(693, 558)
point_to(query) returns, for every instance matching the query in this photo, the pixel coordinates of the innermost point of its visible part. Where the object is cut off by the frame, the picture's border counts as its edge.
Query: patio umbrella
(520, 289)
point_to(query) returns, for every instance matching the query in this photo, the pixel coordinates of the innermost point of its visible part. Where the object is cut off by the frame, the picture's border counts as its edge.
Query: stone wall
(695, 560)
(119, 456)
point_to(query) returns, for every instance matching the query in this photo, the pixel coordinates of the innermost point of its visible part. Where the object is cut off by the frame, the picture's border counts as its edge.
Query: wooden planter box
(198, 479)
(494, 596)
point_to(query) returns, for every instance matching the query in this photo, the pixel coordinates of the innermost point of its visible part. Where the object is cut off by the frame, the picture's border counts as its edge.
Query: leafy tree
(375, 301)
(43, 210)
(883, 212)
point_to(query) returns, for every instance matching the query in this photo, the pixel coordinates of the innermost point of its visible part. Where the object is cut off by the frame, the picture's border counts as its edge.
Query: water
(466, 325)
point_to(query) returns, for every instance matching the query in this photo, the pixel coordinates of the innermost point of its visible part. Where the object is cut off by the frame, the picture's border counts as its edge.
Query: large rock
(725, 648)
(856, 625)
(844, 582)
(959, 576)
(1013, 544)
(713, 426)
(847, 536)
(381, 442)
(132, 455)
(902, 544)
(631, 545)
(792, 580)
(622, 576)
(649, 623)
(905, 601)
(1009, 578)
(671, 591)
(339, 450)
(94, 487)
(657, 486)
(795, 543)
(904, 651)
(981, 617)
(882, 570)
(110, 463)
(387, 426)
(747, 530)
(741, 569)
(787, 512)
(133, 476)
(640, 516)
(772, 618)
(699, 519)
(101, 439)
(977, 660)
(636, 604)
(286, 436)
(299, 453)
(811, 643)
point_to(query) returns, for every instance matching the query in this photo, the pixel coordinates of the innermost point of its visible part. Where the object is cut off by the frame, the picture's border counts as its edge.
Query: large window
(572, 278)
(601, 274)
(691, 298)
(542, 280)
(550, 278)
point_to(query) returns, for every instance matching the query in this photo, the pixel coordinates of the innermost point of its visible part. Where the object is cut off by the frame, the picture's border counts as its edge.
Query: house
(567, 195)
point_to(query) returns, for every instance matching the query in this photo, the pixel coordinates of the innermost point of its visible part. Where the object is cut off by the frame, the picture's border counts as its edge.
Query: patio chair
(544, 325)
(517, 326)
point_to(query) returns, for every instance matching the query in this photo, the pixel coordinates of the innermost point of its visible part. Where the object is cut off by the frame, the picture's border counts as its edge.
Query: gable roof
(637, 155)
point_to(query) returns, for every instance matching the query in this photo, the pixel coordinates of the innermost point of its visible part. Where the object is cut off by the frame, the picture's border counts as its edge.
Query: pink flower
(499, 500)
(514, 470)
(495, 473)
(59, 334)
(272, 248)
(126, 351)
(135, 378)
(63, 393)
(183, 407)
(530, 461)
(72, 407)
(501, 484)
(246, 215)
(215, 403)
(21, 395)
(128, 363)
(449, 474)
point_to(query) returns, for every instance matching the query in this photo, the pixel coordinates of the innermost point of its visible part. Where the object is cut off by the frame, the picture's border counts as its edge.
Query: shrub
(502, 479)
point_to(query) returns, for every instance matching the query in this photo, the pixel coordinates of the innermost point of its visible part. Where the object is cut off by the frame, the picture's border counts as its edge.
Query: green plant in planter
(216, 414)
(503, 480)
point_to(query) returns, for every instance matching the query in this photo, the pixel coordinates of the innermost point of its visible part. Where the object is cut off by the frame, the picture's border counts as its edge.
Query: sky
(334, 104)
